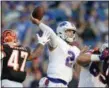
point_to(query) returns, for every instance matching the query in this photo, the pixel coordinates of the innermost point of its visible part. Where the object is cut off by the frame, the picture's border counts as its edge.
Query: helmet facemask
(70, 37)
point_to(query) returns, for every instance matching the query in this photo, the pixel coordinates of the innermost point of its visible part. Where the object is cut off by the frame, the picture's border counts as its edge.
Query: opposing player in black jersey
(14, 58)
(104, 77)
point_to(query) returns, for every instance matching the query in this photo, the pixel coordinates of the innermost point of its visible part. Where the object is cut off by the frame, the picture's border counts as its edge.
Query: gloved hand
(44, 38)
(104, 54)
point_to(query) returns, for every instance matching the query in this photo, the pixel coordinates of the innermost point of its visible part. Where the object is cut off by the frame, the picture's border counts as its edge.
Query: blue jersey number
(70, 59)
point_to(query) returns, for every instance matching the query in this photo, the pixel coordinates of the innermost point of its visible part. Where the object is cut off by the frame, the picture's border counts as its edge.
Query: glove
(44, 38)
(104, 54)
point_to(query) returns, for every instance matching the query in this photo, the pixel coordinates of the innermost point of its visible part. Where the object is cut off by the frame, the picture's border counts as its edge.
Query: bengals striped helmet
(9, 36)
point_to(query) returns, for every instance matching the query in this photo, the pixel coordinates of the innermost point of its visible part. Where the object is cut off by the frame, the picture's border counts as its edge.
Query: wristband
(95, 57)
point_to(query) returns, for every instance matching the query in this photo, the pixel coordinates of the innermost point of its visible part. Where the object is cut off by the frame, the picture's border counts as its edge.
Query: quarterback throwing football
(62, 56)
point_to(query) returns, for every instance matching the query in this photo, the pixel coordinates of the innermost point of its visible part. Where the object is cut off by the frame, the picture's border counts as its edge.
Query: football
(38, 12)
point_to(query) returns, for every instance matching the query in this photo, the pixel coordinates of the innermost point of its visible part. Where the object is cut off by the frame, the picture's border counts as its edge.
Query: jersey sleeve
(5, 50)
(76, 52)
(2, 54)
(53, 41)
(6, 47)
(28, 50)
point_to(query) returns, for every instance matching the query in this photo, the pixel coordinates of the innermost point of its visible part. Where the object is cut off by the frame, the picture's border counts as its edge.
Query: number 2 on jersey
(13, 60)
(70, 59)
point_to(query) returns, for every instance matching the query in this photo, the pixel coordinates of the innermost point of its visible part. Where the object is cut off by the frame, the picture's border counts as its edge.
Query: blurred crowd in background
(90, 17)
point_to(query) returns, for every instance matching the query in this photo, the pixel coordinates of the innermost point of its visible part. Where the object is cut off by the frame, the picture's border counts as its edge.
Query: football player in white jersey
(62, 56)
(90, 74)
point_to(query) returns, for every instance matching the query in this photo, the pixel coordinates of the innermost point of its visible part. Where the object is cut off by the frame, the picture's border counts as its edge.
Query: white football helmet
(104, 46)
(62, 27)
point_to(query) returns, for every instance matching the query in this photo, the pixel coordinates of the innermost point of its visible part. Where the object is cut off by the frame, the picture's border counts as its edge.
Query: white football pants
(43, 83)
(9, 83)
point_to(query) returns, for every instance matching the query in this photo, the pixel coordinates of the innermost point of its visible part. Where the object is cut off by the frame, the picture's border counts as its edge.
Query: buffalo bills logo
(63, 23)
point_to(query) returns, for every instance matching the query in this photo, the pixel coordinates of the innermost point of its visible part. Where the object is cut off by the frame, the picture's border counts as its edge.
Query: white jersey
(89, 80)
(61, 60)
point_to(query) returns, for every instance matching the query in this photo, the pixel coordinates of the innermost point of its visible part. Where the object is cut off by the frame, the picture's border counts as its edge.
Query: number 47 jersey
(14, 62)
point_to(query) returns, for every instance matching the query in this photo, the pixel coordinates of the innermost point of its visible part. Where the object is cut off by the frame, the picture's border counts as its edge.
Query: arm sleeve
(28, 50)
(2, 54)
(76, 52)
(4, 51)
(53, 41)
